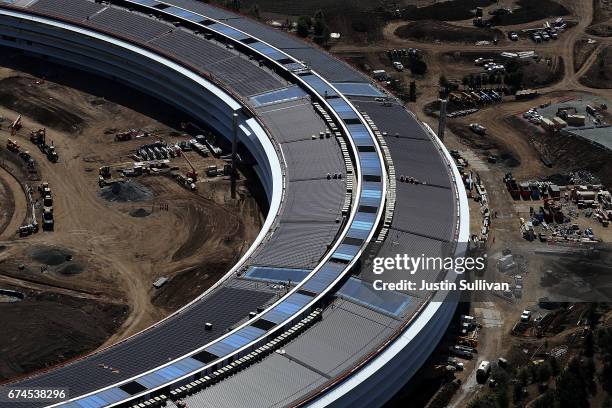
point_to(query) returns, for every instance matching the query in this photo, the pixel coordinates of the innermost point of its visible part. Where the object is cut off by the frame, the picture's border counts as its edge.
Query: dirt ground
(599, 75)
(430, 30)
(88, 283)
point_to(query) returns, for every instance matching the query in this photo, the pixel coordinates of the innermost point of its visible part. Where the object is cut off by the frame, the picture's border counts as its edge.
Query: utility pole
(442, 119)
(234, 148)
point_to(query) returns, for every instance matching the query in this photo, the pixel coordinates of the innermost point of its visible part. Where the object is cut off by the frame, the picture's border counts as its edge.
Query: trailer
(483, 371)
(525, 191)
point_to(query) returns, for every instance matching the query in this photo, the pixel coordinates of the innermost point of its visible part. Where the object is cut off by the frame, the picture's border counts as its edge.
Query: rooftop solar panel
(318, 85)
(150, 3)
(281, 95)
(74, 9)
(228, 31)
(188, 15)
(358, 89)
(324, 277)
(276, 274)
(387, 302)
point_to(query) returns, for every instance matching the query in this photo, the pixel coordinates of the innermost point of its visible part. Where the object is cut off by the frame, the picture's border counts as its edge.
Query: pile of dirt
(529, 11)
(429, 30)
(71, 268)
(454, 10)
(140, 213)
(128, 191)
(51, 256)
(571, 154)
(484, 144)
(599, 75)
(49, 112)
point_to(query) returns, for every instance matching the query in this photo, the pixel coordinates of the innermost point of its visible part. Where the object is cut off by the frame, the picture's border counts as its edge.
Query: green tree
(501, 397)
(413, 94)
(523, 376)
(544, 371)
(255, 12)
(571, 388)
(517, 392)
(303, 26)
(321, 31)
(442, 81)
(233, 4)
(605, 376)
(547, 400)
(554, 366)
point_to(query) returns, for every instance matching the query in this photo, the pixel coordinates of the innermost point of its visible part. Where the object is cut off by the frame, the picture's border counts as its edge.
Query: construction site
(526, 118)
(107, 215)
(122, 211)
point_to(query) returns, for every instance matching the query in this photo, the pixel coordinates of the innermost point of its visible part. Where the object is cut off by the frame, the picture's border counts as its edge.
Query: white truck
(483, 371)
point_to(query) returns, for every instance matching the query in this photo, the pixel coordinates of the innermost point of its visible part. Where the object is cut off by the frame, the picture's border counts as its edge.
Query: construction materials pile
(127, 191)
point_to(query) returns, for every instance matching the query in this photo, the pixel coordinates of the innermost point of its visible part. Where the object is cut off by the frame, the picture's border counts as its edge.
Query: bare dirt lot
(599, 75)
(430, 30)
(602, 19)
(89, 282)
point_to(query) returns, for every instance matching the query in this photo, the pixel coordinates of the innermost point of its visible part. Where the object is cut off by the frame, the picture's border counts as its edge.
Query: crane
(193, 174)
(15, 126)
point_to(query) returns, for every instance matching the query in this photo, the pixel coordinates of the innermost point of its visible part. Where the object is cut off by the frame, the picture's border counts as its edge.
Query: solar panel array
(78, 10)
(235, 71)
(130, 25)
(170, 339)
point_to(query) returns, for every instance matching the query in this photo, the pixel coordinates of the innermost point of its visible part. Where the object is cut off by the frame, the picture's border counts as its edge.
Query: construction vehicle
(44, 189)
(25, 156)
(28, 229)
(13, 146)
(49, 151)
(48, 222)
(212, 171)
(38, 136)
(15, 126)
(32, 227)
(103, 182)
(48, 203)
(193, 174)
(186, 182)
(105, 171)
(130, 134)
(483, 371)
